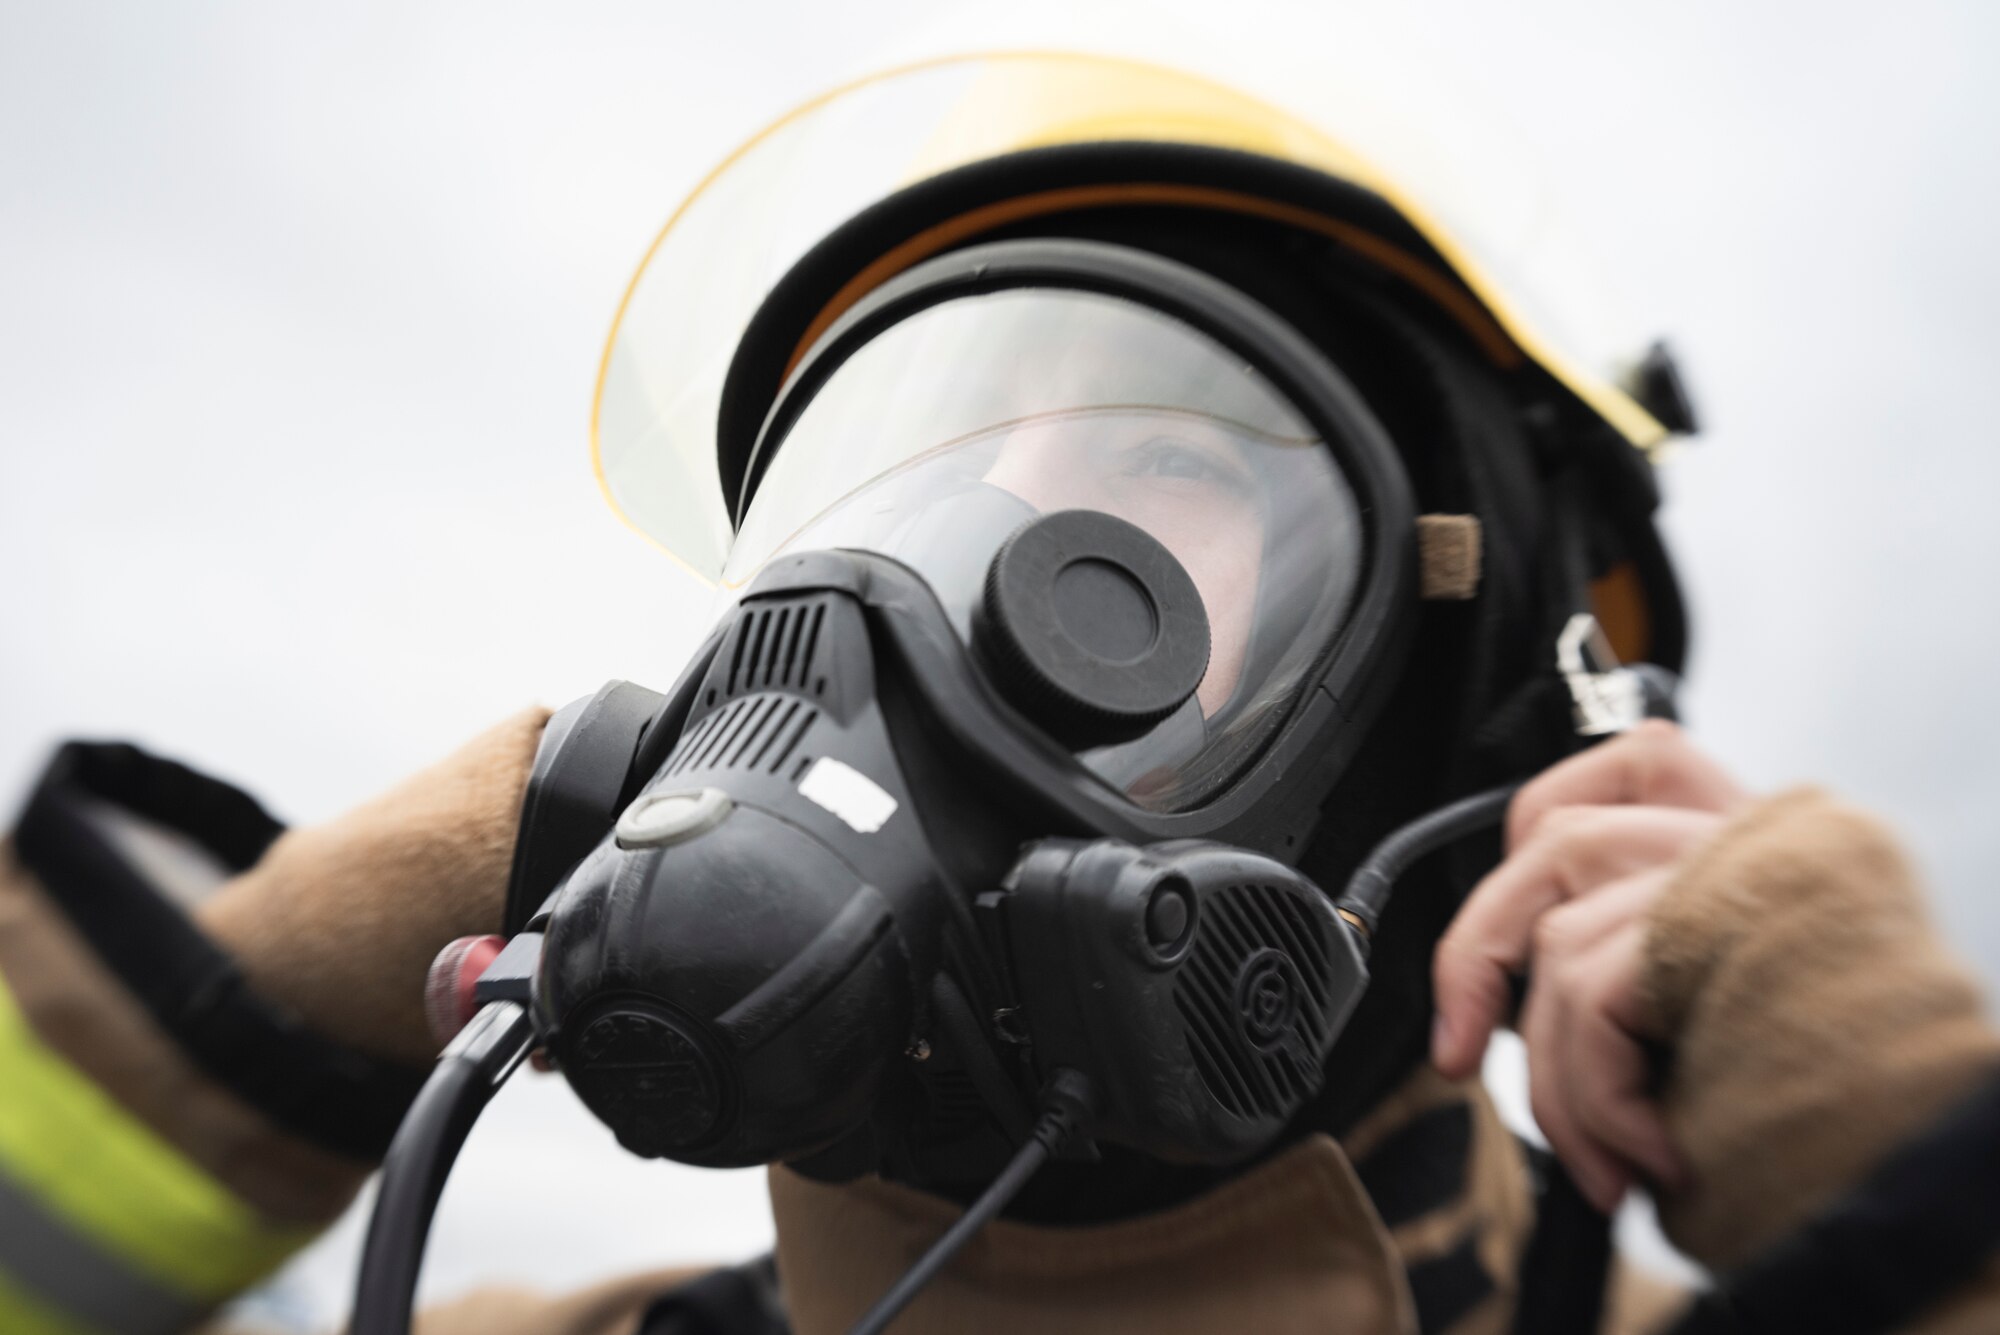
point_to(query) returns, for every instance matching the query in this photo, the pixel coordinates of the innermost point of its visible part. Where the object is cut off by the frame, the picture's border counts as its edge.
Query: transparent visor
(719, 256)
(947, 432)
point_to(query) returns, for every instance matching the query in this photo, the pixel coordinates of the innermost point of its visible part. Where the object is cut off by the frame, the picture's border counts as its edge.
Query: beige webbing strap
(1448, 557)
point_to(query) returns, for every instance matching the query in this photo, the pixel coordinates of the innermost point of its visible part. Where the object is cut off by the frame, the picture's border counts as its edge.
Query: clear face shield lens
(939, 437)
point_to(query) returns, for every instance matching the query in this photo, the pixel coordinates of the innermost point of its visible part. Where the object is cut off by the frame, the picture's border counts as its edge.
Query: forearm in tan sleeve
(1816, 1022)
(340, 921)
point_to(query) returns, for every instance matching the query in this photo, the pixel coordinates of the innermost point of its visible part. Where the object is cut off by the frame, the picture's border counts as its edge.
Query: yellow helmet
(860, 184)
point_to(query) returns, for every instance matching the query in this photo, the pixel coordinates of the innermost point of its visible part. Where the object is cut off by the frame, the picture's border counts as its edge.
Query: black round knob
(1091, 627)
(1168, 912)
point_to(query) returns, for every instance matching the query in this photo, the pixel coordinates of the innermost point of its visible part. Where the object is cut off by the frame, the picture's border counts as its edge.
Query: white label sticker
(848, 794)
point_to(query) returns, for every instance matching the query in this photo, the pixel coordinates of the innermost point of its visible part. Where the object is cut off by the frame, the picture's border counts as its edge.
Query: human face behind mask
(938, 438)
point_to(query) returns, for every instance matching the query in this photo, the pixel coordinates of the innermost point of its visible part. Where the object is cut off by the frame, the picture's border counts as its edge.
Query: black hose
(1067, 1109)
(420, 1158)
(1368, 889)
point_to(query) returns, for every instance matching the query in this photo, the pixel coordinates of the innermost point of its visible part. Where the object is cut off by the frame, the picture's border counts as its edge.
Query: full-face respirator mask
(967, 839)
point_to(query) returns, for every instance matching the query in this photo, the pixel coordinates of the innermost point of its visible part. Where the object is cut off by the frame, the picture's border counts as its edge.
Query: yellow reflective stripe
(21, 1314)
(114, 1180)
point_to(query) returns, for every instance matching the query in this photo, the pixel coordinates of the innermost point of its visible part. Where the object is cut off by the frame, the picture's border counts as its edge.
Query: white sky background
(300, 312)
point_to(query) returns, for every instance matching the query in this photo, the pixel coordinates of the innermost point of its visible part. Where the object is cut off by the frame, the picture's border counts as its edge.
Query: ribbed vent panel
(772, 649)
(752, 732)
(1252, 1078)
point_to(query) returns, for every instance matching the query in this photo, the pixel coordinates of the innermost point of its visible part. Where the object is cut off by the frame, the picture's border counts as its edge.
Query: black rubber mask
(1069, 575)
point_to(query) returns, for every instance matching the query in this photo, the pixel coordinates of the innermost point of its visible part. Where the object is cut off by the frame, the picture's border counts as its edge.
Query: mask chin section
(730, 975)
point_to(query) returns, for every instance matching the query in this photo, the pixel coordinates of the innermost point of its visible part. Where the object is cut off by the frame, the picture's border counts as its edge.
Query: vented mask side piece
(1200, 986)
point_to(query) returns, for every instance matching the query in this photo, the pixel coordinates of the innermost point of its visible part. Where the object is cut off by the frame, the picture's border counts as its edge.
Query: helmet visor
(660, 383)
(940, 436)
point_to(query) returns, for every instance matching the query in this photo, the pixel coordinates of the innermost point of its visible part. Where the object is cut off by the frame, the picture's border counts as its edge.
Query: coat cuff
(1815, 1020)
(136, 1192)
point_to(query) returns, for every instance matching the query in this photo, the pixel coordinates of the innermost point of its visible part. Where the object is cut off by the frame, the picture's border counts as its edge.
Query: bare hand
(1591, 844)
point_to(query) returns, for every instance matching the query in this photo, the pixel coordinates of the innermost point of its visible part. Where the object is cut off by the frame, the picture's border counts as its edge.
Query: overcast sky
(300, 312)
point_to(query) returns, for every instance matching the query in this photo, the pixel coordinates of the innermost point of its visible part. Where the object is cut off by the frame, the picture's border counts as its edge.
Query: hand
(1591, 844)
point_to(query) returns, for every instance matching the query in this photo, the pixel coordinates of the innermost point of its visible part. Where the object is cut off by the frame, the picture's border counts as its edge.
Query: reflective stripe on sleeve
(128, 1204)
(48, 1260)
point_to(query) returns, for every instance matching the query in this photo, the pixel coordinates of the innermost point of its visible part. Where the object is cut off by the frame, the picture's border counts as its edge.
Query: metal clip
(1608, 698)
